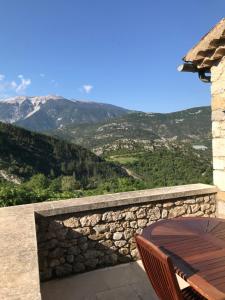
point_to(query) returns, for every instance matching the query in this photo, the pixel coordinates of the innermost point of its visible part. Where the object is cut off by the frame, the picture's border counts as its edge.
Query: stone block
(117, 236)
(74, 250)
(78, 267)
(91, 263)
(142, 223)
(218, 101)
(220, 208)
(130, 216)
(101, 228)
(90, 220)
(205, 206)
(218, 115)
(217, 72)
(218, 129)
(57, 252)
(168, 204)
(164, 213)
(70, 258)
(200, 199)
(189, 201)
(71, 222)
(124, 251)
(177, 211)
(219, 163)
(154, 214)
(134, 253)
(219, 179)
(217, 87)
(112, 216)
(218, 145)
(133, 224)
(54, 262)
(195, 208)
(120, 243)
(96, 237)
(141, 213)
(107, 243)
(128, 233)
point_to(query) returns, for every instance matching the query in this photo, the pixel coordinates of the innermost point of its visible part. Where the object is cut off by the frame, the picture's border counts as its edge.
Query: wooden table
(197, 248)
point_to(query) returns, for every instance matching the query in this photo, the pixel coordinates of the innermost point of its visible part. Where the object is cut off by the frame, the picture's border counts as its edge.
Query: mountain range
(42, 113)
(158, 149)
(143, 131)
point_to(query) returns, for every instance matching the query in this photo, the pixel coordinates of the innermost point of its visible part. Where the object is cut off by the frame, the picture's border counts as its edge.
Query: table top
(197, 249)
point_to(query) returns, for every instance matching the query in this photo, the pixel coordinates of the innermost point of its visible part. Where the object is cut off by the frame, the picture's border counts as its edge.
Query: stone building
(208, 57)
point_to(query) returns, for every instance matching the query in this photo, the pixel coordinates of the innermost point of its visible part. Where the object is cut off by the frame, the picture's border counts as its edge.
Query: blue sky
(123, 52)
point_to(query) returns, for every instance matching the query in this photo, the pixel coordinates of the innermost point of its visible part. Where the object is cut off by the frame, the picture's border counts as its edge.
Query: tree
(69, 184)
(38, 182)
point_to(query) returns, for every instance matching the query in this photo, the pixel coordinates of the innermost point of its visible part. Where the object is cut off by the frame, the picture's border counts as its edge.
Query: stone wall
(218, 123)
(82, 241)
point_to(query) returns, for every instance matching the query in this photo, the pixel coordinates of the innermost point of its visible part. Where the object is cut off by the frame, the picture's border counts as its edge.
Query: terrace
(92, 236)
(84, 248)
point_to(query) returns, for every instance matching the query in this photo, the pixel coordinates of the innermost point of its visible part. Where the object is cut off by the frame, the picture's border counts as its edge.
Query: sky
(123, 52)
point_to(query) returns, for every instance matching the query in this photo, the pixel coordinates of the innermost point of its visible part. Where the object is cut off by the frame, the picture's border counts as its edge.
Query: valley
(159, 149)
(73, 148)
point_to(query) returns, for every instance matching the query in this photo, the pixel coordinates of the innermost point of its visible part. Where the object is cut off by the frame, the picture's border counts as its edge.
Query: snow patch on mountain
(41, 113)
(23, 107)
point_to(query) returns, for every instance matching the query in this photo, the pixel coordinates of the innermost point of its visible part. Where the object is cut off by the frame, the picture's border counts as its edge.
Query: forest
(44, 168)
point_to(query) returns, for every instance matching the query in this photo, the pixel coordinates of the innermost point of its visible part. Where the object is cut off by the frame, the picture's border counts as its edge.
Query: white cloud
(22, 86)
(87, 88)
(42, 75)
(2, 77)
(13, 85)
(8, 88)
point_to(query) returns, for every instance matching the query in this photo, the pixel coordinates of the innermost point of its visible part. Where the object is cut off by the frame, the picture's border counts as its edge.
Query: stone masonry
(218, 123)
(82, 241)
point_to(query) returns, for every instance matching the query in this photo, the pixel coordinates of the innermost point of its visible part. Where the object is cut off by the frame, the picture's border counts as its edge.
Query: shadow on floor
(121, 282)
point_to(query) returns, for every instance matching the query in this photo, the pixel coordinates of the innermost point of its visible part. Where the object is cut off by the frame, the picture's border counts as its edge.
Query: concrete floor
(127, 281)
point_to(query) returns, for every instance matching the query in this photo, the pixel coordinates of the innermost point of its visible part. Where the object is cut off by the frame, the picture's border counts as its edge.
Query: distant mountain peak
(32, 99)
(42, 113)
(14, 100)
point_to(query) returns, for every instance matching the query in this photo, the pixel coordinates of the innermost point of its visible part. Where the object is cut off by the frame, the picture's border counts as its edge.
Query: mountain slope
(52, 112)
(178, 164)
(24, 153)
(143, 131)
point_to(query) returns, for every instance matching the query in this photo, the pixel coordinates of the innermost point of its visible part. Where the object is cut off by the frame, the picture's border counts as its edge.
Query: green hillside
(141, 131)
(35, 167)
(24, 153)
(159, 149)
(179, 164)
(138, 151)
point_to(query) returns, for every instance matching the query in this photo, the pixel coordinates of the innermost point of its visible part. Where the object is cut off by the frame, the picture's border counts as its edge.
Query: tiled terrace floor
(122, 282)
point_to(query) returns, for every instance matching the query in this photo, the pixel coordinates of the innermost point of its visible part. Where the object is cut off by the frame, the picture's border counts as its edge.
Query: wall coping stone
(19, 275)
(120, 199)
